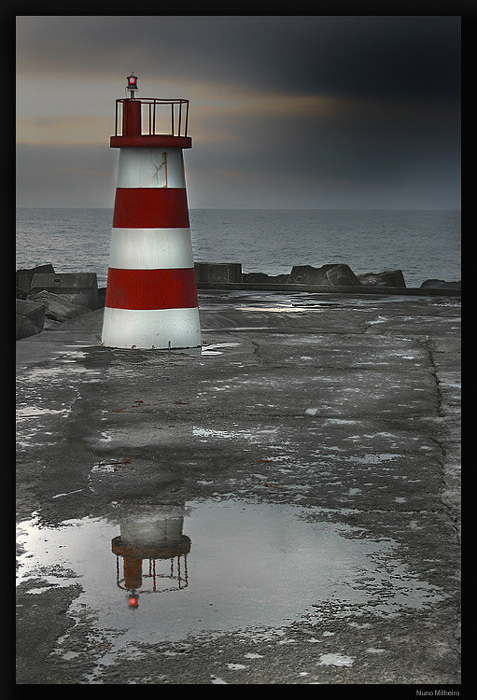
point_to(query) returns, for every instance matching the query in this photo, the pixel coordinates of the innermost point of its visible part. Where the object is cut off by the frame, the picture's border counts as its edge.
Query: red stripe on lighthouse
(151, 289)
(151, 207)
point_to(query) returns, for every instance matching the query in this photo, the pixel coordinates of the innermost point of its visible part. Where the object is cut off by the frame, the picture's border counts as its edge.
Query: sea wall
(45, 298)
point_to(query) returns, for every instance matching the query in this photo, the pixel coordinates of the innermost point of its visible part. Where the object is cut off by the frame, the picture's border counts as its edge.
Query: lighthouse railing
(158, 116)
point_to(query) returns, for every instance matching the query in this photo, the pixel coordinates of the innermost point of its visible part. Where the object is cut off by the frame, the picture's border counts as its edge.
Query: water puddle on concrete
(167, 572)
(217, 348)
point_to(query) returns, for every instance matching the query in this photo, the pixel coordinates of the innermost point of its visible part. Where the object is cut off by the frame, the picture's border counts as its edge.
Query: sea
(424, 244)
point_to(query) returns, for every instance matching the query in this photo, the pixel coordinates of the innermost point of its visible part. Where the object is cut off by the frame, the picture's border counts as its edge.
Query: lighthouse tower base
(151, 328)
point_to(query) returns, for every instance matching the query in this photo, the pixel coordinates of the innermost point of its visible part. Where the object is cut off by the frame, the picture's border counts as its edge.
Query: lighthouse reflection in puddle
(151, 553)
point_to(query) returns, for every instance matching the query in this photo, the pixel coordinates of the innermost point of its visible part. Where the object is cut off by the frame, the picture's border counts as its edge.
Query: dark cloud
(366, 140)
(389, 122)
(406, 57)
(395, 57)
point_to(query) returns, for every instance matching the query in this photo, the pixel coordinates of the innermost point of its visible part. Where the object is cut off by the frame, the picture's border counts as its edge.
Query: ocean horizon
(424, 244)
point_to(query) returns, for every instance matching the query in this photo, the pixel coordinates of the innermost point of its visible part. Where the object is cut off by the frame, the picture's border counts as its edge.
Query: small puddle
(217, 348)
(169, 572)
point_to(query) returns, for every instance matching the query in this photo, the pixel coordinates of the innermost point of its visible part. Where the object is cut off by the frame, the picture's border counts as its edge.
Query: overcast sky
(286, 112)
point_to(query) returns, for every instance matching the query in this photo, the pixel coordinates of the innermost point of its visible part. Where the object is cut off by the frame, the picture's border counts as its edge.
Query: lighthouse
(151, 295)
(146, 543)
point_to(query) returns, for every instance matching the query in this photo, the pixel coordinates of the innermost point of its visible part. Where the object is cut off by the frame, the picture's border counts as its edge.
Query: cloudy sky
(285, 111)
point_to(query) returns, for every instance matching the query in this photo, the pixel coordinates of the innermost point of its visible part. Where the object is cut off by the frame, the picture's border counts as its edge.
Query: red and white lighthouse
(151, 296)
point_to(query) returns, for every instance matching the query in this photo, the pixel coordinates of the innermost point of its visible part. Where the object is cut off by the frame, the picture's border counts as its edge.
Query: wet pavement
(281, 506)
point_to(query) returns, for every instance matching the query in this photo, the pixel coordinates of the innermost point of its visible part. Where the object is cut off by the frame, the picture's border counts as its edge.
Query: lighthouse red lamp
(151, 296)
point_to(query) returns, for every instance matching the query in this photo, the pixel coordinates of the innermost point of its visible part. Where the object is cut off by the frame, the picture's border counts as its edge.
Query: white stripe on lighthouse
(151, 167)
(157, 328)
(151, 248)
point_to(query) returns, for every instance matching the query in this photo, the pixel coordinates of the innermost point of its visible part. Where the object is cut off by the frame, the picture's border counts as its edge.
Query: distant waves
(423, 244)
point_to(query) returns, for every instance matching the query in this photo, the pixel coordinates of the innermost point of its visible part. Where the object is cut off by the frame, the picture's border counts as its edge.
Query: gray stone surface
(58, 306)
(334, 417)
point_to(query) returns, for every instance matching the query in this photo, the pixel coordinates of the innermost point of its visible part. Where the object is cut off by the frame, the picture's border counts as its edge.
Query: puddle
(335, 660)
(281, 308)
(253, 436)
(215, 567)
(216, 348)
(24, 412)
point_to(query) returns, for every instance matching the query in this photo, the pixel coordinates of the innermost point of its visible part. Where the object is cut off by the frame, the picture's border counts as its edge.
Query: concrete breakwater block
(309, 275)
(57, 306)
(218, 272)
(341, 275)
(30, 317)
(388, 278)
(24, 277)
(440, 284)
(77, 287)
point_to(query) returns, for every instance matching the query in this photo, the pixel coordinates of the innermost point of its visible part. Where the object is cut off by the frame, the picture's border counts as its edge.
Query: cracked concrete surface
(331, 422)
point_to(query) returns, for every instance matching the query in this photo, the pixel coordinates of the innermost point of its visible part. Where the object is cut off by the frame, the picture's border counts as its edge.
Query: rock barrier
(46, 298)
(24, 277)
(331, 275)
(77, 287)
(58, 307)
(30, 318)
(218, 272)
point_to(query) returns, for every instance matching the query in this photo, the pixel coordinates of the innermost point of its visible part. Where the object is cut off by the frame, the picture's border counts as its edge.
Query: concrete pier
(326, 426)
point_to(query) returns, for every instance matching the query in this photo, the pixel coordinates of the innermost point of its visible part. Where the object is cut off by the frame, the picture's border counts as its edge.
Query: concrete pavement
(310, 452)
